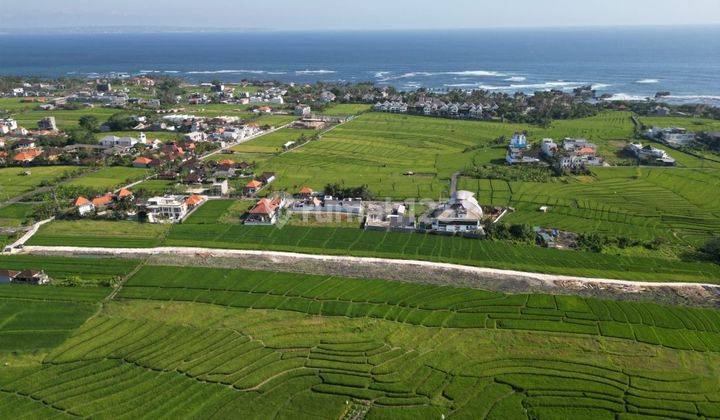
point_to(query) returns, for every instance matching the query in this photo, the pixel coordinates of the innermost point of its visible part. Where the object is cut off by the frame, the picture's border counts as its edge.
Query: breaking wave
(226, 72)
(306, 72)
(647, 81)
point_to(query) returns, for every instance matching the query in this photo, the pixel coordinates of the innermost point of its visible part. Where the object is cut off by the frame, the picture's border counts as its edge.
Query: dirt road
(405, 270)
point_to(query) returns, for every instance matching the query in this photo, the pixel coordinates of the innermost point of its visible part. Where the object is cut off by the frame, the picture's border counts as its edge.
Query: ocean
(630, 63)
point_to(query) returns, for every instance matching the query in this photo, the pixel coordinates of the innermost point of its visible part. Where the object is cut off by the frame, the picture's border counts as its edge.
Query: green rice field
(14, 182)
(109, 178)
(201, 343)
(640, 203)
(208, 229)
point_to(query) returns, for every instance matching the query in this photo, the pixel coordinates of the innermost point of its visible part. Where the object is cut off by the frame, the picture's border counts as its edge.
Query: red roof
(306, 190)
(143, 161)
(125, 193)
(254, 184)
(264, 206)
(586, 151)
(81, 201)
(194, 200)
(226, 162)
(27, 155)
(102, 200)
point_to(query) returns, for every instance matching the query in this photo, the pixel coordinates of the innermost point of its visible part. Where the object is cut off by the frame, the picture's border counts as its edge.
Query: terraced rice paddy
(93, 270)
(639, 203)
(35, 319)
(378, 149)
(185, 342)
(272, 143)
(101, 233)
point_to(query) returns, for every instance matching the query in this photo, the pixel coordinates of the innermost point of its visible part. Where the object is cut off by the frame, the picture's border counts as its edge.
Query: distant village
(144, 120)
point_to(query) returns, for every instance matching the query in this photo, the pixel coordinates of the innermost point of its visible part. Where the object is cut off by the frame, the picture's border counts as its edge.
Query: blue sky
(356, 14)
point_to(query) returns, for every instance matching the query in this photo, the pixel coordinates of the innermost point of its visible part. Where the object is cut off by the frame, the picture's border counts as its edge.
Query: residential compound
(171, 208)
(572, 154)
(461, 214)
(650, 155)
(519, 150)
(672, 136)
(435, 108)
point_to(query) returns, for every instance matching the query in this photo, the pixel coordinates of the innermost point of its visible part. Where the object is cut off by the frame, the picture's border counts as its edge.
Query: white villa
(461, 214)
(171, 208)
(122, 142)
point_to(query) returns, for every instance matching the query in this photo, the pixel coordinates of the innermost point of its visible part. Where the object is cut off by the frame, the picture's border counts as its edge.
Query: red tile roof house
(265, 212)
(27, 156)
(143, 162)
(124, 193)
(103, 200)
(306, 192)
(83, 206)
(252, 187)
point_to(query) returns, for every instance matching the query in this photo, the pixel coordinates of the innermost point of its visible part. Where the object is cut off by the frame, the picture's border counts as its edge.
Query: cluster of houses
(572, 154)
(672, 136)
(461, 214)
(21, 146)
(256, 184)
(435, 107)
(160, 209)
(109, 201)
(650, 155)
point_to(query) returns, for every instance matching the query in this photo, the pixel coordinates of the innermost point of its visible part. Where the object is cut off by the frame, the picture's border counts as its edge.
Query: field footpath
(427, 272)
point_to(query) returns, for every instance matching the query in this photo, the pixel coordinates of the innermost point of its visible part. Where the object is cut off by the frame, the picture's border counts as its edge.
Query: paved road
(398, 264)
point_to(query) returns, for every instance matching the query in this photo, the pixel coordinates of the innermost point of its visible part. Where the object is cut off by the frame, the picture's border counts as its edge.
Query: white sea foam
(516, 79)
(225, 71)
(476, 73)
(514, 86)
(626, 97)
(647, 81)
(599, 86)
(306, 72)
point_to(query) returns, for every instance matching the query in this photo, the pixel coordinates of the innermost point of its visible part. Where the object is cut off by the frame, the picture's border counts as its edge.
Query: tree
(522, 232)
(167, 90)
(712, 249)
(90, 123)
